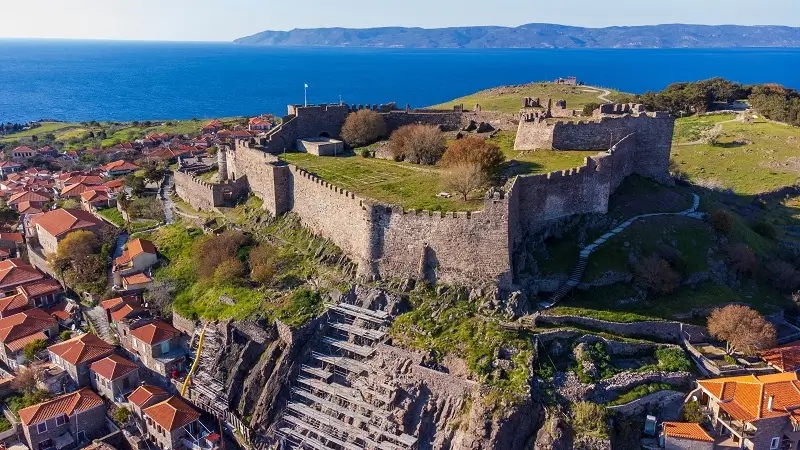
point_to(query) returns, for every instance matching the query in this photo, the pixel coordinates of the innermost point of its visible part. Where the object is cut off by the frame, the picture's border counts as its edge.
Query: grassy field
(748, 159)
(46, 127)
(509, 98)
(415, 186)
(690, 129)
(539, 161)
(112, 215)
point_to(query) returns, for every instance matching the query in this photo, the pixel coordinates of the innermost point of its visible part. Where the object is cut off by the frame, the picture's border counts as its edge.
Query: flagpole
(305, 94)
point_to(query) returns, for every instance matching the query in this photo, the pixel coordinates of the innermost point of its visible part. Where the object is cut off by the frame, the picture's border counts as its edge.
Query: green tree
(32, 348)
(121, 415)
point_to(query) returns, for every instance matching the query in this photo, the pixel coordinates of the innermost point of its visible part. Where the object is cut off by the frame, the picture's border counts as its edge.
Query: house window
(61, 420)
(774, 443)
(165, 347)
(41, 427)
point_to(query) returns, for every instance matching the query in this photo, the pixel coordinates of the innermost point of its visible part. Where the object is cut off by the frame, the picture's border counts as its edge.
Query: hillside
(536, 35)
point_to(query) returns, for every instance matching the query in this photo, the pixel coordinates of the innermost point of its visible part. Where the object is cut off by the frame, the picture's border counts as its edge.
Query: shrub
(121, 415)
(655, 274)
(363, 127)
(475, 150)
(262, 263)
(464, 178)
(65, 335)
(783, 275)
(639, 392)
(764, 229)
(588, 109)
(721, 220)
(590, 419)
(230, 271)
(32, 348)
(729, 359)
(211, 251)
(742, 259)
(693, 412)
(673, 359)
(419, 144)
(365, 153)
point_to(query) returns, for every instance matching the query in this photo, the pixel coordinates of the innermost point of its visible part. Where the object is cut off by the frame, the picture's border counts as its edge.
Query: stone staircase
(99, 321)
(583, 257)
(337, 401)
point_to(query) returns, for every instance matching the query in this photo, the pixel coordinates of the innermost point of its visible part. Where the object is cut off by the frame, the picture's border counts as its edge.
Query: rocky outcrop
(256, 365)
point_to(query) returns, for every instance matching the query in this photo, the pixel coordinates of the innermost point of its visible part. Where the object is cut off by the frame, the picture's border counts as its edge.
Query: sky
(225, 20)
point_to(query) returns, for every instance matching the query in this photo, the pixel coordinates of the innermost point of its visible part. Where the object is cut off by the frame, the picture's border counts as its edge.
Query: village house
(144, 396)
(156, 344)
(754, 412)
(8, 167)
(53, 226)
(70, 420)
(138, 256)
(114, 186)
(785, 358)
(12, 244)
(136, 281)
(22, 153)
(13, 304)
(17, 272)
(37, 199)
(77, 354)
(173, 424)
(114, 376)
(685, 436)
(18, 330)
(212, 127)
(47, 151)
(118, 168)
(42, 293)
(259, 123)
(96, 198)
(66, 312)
(114, 304)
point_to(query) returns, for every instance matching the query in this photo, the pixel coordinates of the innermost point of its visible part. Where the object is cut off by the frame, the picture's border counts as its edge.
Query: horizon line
(117, 39)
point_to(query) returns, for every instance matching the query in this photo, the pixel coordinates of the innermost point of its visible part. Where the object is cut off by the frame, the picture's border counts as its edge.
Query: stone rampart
(204, 196)
(448, 120)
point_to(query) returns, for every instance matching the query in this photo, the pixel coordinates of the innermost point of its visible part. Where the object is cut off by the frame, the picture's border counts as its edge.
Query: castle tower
(222, 162)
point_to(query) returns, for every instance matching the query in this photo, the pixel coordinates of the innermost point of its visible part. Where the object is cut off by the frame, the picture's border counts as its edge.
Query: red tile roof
(155, 332)
(28, 196)
(20, 343)
(84, 348)
(23, 324)
(172, 414)
(78, 401)
(125, 311)
(113, 302)
(13, 304)
(684, 430)
(39, 288)
(747, 397)
(61, 310)
(113, 367)
(144, 393)
(138, 246)
(16, 237)
(119, 165)
(135, 278)
(96, 195)
(62, 221)
(15, 272)
(785, 358)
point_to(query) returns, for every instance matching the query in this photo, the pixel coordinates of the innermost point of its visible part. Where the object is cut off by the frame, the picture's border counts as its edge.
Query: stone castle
(387, 241)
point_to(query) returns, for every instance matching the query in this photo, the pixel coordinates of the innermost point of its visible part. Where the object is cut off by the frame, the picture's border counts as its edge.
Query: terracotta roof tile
(172, 413)
(61, 221)
(138, 246)
(785, 358)
(39, 288)
(125, 311)
(144, 393)
(135, 278)
(13, 303)
(155, 332)
(23, 324)
(747, 397)
(20, 343)
(684, 430)
(78, 401)
(119, 165)
(84, 348)
(113, 367)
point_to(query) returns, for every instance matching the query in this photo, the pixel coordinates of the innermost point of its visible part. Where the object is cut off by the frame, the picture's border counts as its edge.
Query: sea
(121, 81)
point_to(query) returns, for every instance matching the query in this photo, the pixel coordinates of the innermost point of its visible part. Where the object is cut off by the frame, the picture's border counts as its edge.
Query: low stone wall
(183, 324)
(646, 403)
(666, 331)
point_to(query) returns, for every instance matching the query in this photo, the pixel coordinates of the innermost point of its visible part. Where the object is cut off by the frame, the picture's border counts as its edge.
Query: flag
(306, 85)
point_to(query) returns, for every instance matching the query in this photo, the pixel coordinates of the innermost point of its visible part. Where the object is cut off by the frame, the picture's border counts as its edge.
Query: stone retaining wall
(673, 332)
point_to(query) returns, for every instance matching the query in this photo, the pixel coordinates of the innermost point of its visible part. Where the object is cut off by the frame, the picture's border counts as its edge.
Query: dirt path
(603, 93)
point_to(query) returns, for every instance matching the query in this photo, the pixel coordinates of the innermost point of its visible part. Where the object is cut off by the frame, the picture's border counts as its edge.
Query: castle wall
(269, 178)
(654, 143)
(617, 163)
(333, 213)
(196, 192)
(449, 121)
(590, 135)
(447, 247)
(534, 136)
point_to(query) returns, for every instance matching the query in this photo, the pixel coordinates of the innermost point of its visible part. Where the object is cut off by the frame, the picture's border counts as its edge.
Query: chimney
(769, 402)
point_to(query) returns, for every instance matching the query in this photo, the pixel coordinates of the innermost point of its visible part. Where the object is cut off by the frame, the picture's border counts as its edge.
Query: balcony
(736, 427)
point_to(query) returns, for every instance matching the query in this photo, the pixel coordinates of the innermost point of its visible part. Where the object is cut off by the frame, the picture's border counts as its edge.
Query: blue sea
(108, 80)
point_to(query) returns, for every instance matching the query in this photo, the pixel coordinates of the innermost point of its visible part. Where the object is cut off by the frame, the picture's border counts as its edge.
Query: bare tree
(656, 275)
(28, 378)
(464, 178)
(743, 329)
(419, 144)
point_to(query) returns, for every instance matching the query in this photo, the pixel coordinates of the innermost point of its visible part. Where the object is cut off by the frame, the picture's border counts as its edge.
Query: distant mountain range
(536, 35)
